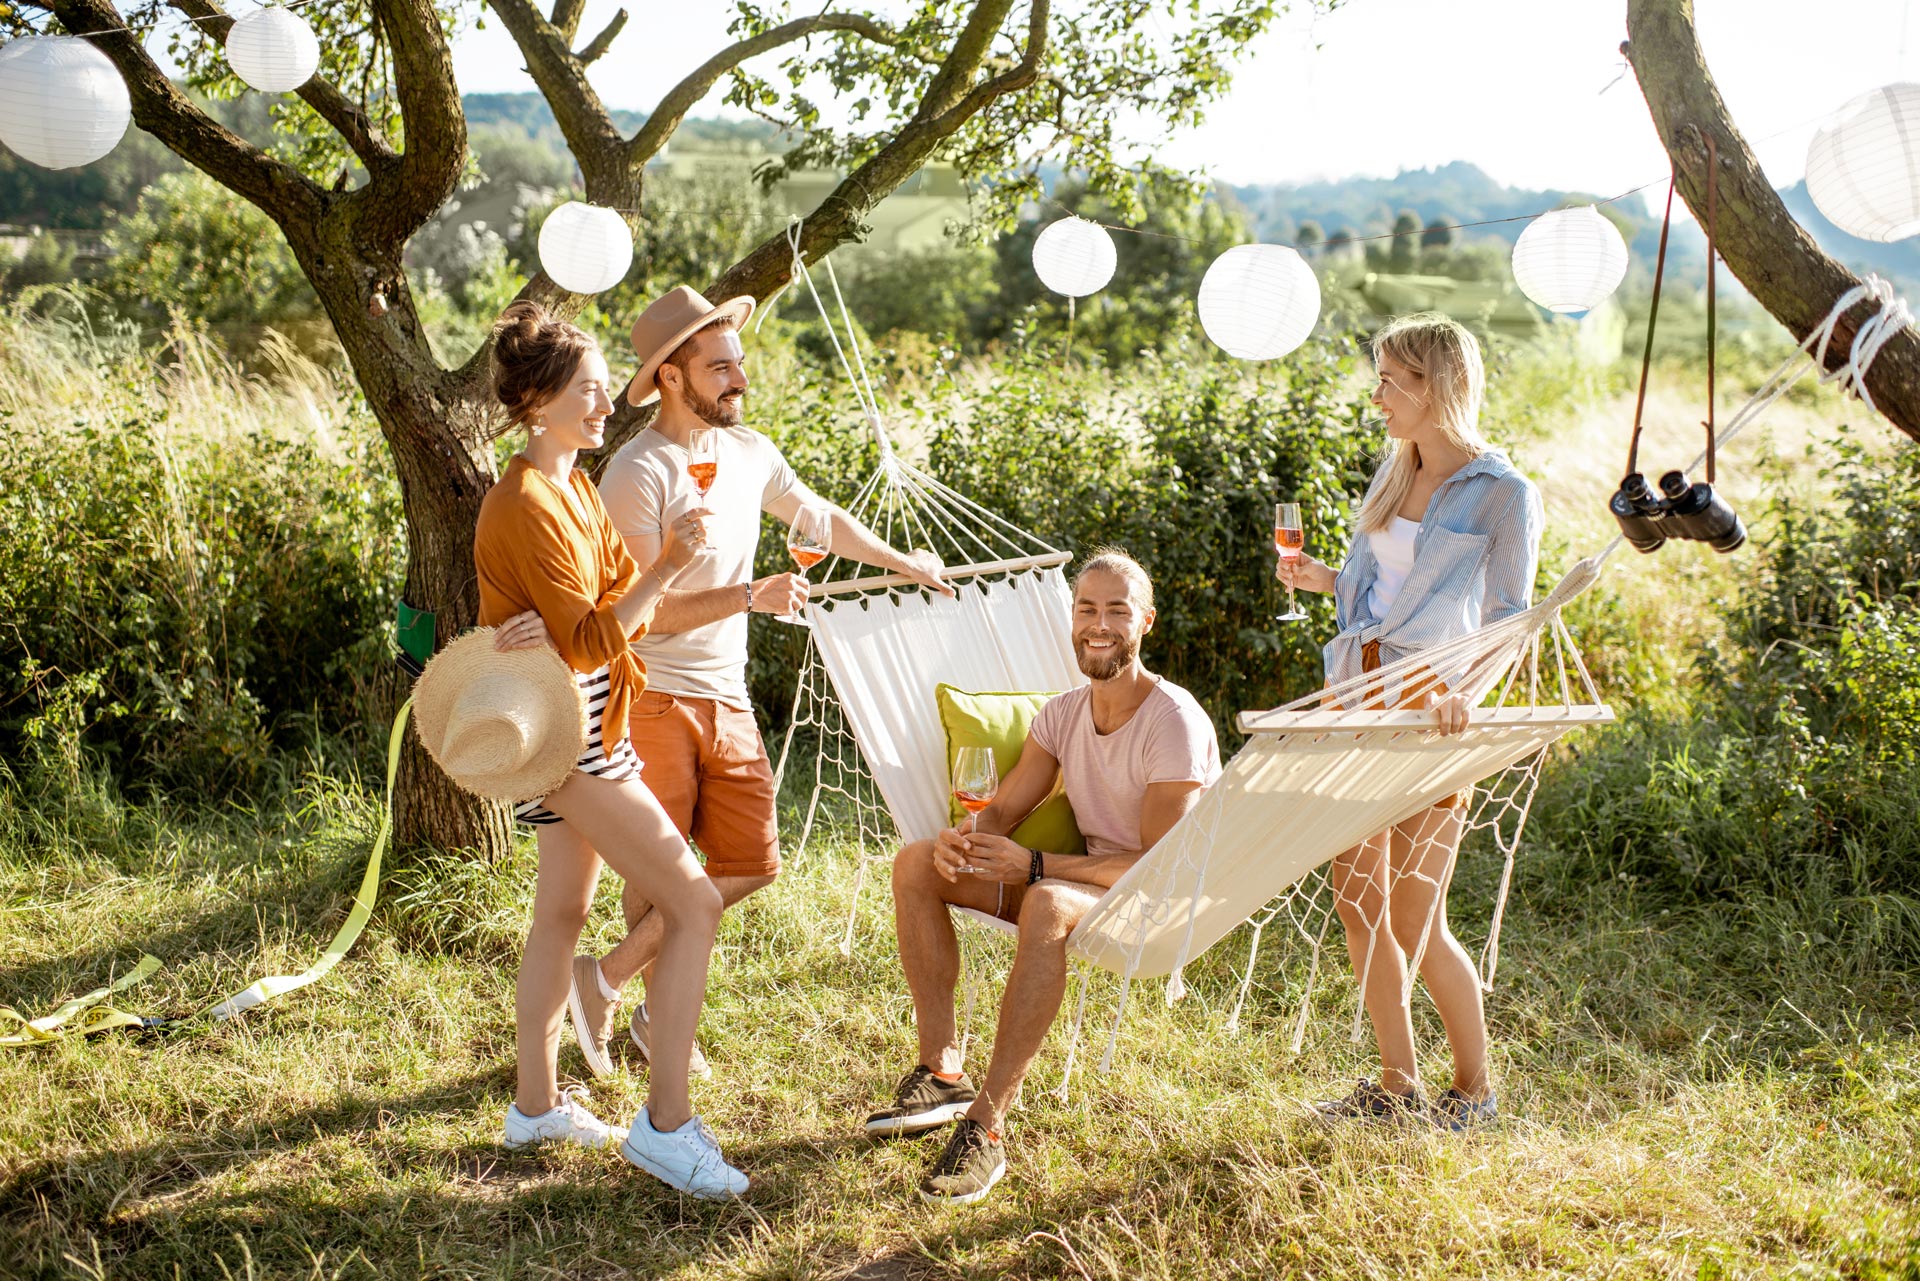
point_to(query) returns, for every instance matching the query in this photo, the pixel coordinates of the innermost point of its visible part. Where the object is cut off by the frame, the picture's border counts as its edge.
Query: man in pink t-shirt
(1133, 752)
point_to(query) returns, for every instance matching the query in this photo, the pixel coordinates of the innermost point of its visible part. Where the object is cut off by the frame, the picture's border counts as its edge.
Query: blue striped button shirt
(1473, 564)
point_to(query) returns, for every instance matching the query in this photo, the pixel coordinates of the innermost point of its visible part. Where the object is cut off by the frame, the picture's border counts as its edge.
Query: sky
(1529, 90)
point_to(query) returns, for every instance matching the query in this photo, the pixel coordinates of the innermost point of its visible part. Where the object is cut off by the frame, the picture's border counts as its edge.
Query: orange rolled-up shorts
(1377, 702)
(707, 766)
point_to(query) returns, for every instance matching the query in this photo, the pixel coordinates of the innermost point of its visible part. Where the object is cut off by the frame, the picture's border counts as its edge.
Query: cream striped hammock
(1315, 778)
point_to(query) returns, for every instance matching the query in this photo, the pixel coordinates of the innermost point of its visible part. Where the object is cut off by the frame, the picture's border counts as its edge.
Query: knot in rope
(1875, 332)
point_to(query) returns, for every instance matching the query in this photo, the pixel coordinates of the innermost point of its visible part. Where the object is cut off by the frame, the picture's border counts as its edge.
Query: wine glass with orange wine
(808, 540)
(703, 459)
(976, 777)
(1288, 538)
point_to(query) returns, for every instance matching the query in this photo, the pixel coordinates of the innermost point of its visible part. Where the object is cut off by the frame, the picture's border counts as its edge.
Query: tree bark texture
(1761, 243)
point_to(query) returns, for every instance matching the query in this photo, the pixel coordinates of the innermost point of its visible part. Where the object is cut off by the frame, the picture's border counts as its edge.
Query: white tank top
(1393, 549)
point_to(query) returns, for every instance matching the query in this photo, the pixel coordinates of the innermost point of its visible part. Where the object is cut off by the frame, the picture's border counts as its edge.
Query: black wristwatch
(1036, 867)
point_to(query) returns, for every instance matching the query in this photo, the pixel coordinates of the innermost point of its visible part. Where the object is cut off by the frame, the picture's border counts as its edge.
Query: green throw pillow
(1000, 721)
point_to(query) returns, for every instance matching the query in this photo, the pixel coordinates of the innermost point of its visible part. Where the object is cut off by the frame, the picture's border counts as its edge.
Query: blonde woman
(553, 570)
(1446, 541)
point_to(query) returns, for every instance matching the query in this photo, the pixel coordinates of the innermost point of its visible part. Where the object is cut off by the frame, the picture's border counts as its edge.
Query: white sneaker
(687, 1158)
(570, 1122)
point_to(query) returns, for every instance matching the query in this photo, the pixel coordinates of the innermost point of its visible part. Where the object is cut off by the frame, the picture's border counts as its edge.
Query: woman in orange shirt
(553, 570)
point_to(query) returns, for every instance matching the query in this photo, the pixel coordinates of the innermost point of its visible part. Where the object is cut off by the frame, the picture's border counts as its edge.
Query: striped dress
(622, 763)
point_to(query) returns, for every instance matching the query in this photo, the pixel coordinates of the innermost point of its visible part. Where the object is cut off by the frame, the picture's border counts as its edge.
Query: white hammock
(881, 643)
(1318, 776)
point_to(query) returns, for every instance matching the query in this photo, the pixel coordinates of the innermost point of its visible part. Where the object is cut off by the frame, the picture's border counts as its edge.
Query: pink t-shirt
(1169, 739)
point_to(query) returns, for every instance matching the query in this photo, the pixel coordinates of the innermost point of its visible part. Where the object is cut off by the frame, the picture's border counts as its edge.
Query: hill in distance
(1455, 193)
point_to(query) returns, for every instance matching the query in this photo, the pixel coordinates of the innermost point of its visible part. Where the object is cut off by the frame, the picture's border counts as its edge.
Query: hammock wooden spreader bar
(1012, 564)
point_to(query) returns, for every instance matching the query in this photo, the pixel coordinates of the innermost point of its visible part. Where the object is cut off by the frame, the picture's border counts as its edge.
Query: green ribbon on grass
(101, 1017)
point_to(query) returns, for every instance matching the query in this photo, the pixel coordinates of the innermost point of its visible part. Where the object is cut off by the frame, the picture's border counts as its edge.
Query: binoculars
(1679, 510)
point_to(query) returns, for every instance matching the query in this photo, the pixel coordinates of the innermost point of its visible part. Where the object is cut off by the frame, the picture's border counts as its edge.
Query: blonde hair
(1111, 560)
(1446, 355)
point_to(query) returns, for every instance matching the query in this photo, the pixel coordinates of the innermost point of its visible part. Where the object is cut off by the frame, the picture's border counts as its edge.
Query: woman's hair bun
(534, 357)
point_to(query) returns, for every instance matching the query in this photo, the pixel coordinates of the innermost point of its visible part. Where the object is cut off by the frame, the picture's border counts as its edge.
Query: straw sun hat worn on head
(667, 323)
(507, 725)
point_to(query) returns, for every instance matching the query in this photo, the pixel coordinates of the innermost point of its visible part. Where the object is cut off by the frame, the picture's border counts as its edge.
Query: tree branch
(1762, 244)
(947, 105)
(398, 202)
(602, 42)
(285, 194)
(334, 107)
(566, 18)
(562, 80)
(684, 96)
(1016, 78)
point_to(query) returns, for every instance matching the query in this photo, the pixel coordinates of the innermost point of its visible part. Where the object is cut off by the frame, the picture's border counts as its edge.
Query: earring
(539, 427)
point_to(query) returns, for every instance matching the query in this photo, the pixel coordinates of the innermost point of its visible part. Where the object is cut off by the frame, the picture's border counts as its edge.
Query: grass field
(1701, 1094)
(1727, 1090)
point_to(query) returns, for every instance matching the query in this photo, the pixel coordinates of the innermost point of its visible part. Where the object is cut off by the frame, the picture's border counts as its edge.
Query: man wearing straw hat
(693, 727)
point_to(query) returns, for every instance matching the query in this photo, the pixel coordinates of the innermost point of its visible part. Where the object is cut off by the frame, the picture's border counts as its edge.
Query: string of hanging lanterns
(63, 104)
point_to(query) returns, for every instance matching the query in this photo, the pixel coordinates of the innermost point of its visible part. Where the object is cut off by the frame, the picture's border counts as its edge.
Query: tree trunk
(1770, 253)
(437, 426)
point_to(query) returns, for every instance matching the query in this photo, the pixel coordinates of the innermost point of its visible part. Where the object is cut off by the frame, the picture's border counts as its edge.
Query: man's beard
(1104, 667)
(724, 412)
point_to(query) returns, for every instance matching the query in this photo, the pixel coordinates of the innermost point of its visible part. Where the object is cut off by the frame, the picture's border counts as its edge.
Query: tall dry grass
(60, 352)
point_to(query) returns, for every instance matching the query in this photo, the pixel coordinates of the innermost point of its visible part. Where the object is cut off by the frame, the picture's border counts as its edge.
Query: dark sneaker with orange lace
(972, 1163)
(1460, 1112)
(1371, 1101)
(923, 1102)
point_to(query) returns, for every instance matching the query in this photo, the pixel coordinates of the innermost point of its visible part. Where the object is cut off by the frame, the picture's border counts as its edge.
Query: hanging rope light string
(1456, 226)
(169, 19)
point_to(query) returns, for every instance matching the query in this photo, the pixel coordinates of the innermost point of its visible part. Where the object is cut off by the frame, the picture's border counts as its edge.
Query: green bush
(1796, 770)
(184, 605)
(193, 246)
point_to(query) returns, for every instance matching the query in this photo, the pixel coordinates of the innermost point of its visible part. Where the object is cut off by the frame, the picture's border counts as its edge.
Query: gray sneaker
(1460, 1112)
(969, 1167)
(923, 1102)
(640, 1028)
(1371, 1101)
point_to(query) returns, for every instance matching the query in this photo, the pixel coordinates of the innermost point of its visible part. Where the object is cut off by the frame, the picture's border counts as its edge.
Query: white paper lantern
(1863, 169)
(273, 50)
(1259, 301)
(1074, 257)
(585, 248)
(1570, 260)
(62, 101)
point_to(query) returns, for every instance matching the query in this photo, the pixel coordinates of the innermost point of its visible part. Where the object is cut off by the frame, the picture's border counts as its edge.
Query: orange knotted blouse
(533, 549)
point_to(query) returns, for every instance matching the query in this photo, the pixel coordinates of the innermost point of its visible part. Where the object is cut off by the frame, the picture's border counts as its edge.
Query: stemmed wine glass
(703, 462)
(1288, 538)
(976, 777)
(808, 542)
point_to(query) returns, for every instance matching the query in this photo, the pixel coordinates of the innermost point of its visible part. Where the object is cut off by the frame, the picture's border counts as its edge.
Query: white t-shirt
(645, 488)
(1393, 549)
(1168, 739)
